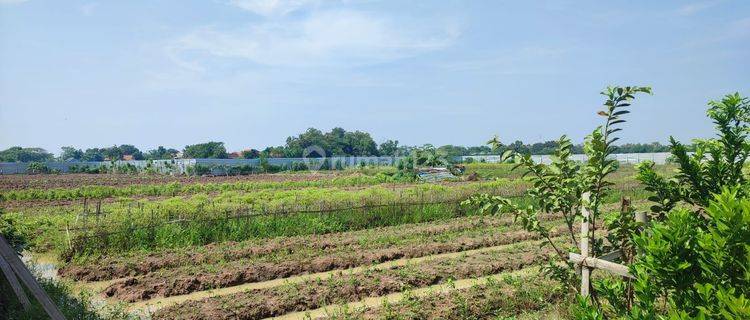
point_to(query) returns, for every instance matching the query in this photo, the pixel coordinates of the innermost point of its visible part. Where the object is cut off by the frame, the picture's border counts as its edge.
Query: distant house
(235, 155)
(128, 157)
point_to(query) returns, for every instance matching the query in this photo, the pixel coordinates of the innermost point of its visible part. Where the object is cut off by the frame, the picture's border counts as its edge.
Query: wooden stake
(585, 270)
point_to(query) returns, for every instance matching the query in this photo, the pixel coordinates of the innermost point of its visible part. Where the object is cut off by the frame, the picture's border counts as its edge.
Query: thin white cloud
(273, 7)
(693, 8)
(332, 38)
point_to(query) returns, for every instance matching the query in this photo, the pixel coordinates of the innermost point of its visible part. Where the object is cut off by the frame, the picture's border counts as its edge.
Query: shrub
(36, 168)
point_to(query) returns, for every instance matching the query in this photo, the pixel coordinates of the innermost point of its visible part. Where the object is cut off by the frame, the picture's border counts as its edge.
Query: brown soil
(187, 280)
(342, 288)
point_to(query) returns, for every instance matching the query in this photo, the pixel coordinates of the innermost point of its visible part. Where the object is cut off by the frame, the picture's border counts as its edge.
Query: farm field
(353, 244)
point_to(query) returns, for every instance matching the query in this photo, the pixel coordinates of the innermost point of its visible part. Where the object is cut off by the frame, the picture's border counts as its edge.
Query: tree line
(337, 142)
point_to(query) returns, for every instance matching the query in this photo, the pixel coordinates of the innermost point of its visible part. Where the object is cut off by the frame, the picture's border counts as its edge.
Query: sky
(252, 72)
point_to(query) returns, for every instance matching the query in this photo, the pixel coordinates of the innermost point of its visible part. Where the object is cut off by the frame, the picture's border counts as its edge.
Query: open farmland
(252, 247)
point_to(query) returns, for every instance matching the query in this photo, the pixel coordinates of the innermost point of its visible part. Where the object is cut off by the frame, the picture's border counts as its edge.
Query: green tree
(250, 154)
(359, 143)
(559, 187)
(112, 153)
(71, 154)
(130, 150)
(388, 148)
(19, 154)
(161, 153)
(93, 154)
(208, 150)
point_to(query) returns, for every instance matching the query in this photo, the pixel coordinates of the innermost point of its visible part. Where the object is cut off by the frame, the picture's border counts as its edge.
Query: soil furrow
(343, 287)
(108, 268)
(183, 281)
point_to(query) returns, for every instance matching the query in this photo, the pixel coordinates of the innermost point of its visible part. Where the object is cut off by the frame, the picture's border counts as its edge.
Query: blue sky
(252, 72)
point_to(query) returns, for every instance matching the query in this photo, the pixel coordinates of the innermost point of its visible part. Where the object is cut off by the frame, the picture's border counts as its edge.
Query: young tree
(560, 186)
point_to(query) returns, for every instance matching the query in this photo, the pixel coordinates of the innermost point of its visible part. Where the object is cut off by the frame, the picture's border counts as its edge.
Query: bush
(699, 263)
(37, 168)
(198, 170)
(695, 258)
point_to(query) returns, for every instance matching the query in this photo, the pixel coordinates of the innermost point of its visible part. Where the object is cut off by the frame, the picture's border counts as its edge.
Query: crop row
(235, 216)
(68, 181)
(347, 287)
(510, 296)
(177, 188)
(140, 262)
(192, 278)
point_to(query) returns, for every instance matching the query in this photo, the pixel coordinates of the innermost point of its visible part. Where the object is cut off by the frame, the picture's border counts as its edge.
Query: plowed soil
(263, 303)
(186, 280)
(113, 267)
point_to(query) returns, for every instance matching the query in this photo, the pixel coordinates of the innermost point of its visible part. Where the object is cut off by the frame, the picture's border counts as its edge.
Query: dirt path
(376, 302)
(145, 308)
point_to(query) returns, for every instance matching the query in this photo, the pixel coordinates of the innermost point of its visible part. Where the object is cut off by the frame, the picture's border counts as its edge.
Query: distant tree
(93, 154)
(274, 152)
(211, 150)
(112, 153)
(71, 154)
(479, 150)
(388, 148)
(130, 150)
(295, 146)
(250, 154)
(450, 151)
(359, 143)
(161, 153)
(19, 154)
(519, 147)
(336, 142)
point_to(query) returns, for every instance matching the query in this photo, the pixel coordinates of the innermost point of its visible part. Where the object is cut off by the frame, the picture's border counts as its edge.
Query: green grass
(130, 237)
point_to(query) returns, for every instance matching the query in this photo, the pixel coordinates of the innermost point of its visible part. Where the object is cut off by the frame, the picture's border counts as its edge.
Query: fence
(223, 166)
(631, 158)
(216, 166)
